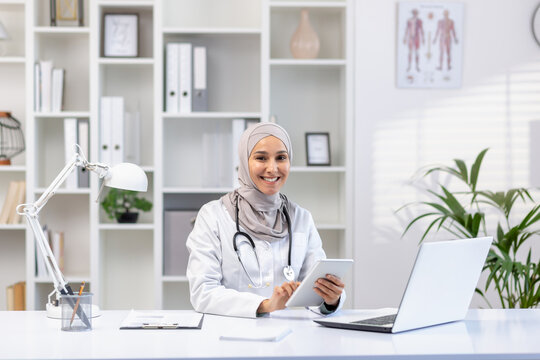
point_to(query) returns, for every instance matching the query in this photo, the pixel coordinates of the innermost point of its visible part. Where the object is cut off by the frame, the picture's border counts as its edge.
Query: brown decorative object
(11, 138)
(305, 41)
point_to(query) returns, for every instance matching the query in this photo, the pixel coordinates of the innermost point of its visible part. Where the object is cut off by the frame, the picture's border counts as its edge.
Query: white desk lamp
(123, 176)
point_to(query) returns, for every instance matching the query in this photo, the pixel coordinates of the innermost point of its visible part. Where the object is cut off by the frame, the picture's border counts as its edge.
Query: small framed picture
(120, 35)
(67, 12)
(318, 148)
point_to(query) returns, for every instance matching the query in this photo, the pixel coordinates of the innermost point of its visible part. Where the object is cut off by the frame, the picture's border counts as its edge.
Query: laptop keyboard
(381, 320)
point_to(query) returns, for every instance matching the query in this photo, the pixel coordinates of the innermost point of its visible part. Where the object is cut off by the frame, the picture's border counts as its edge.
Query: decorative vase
(305, 41)
(127, 217)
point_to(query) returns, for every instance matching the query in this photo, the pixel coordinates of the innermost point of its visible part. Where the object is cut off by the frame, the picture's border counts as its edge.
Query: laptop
(439, 290)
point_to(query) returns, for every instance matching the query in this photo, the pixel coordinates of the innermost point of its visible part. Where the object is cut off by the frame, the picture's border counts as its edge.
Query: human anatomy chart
(429, 45)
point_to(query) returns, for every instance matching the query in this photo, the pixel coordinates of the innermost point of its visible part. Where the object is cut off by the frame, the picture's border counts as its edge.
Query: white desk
(485, 334)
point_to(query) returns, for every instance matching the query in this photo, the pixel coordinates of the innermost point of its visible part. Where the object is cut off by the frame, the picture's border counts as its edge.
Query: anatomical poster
(429, 45)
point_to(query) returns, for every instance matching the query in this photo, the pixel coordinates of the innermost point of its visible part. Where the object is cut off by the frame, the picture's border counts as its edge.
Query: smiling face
(269, 165)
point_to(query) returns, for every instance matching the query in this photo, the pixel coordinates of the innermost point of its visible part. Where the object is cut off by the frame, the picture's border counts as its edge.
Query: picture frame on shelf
(120, 35)
(67, 12)
(318, 148)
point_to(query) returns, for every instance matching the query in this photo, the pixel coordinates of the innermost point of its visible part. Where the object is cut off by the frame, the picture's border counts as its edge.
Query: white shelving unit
(13, 99)
(251, 75)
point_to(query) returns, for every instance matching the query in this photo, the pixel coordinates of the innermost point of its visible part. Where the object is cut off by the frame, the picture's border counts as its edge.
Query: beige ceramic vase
(304, 42)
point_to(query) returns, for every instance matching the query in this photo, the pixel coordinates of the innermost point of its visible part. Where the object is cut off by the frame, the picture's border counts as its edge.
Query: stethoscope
(288, 271)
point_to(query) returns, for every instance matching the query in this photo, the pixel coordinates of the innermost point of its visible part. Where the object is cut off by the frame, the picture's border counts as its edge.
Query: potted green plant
(469, 213)
(118, 204)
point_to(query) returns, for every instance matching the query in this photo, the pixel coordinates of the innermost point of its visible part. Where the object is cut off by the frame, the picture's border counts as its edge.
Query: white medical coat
(218, 283)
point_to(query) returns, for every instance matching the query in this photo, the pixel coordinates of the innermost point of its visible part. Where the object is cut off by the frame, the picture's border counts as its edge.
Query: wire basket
(11, 138)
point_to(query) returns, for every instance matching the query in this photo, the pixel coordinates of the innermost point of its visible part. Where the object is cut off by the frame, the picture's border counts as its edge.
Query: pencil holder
(76, 312)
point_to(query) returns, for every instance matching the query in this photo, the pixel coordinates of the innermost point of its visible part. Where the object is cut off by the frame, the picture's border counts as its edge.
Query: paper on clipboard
(162, 320)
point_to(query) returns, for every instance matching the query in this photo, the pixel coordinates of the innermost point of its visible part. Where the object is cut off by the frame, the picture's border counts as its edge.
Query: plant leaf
(475, 169)
(462, 170)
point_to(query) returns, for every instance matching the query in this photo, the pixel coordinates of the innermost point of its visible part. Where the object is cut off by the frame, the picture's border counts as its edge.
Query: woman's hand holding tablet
(305, 295)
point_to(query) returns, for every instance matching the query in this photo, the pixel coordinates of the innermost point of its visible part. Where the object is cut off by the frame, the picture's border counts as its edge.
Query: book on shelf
(10, 298)
(37, 87)
(20, 196)
(9, 200)
(16, 296)
(57, 247)
(57, 90)
(111, 129)
(15, 195)
(70, 139)
(83, 175)
(56, 240)
(177, 225)
(41, 267)
(48, 87)
(46, 68)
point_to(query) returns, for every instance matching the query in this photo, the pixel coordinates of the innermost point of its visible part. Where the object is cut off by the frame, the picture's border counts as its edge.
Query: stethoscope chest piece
(288, 272)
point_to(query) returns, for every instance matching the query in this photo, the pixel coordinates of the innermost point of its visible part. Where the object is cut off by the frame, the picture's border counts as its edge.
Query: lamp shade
(3, 33)
(127, 176)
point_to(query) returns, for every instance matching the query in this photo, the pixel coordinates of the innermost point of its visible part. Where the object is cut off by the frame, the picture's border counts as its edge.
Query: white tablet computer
(304, 295)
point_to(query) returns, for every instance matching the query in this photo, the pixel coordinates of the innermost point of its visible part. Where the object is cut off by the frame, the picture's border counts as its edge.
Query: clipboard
(159, 320)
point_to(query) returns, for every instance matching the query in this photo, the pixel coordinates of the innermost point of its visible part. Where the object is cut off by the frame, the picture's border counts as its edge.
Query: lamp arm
(31, 211)
(60, 284)
(56, 183)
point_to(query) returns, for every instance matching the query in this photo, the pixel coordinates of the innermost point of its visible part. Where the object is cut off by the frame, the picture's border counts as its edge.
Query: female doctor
(250, 249)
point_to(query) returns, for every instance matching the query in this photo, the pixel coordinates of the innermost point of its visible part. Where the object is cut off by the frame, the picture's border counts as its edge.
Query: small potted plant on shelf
(118, 203)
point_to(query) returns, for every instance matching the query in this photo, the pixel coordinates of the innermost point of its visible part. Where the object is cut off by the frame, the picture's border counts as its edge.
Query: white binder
(82, 140)
(117, 130)
(171, 78)
(199, 93)
(185, 78)
(105, 136)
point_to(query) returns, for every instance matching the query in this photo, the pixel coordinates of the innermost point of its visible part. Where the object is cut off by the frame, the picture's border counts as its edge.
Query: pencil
(77, 303)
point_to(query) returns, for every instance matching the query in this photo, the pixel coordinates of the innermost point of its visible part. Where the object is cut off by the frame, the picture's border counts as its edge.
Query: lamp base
(5, 162)
(55, 311)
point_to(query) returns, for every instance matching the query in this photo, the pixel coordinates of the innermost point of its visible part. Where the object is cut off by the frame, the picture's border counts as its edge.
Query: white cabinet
(250, 75)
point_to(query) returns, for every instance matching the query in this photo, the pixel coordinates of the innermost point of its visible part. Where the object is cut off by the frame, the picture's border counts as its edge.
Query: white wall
(400, 130)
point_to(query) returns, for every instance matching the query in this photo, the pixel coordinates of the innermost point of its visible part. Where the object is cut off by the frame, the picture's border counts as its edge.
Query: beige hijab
(260, 215)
